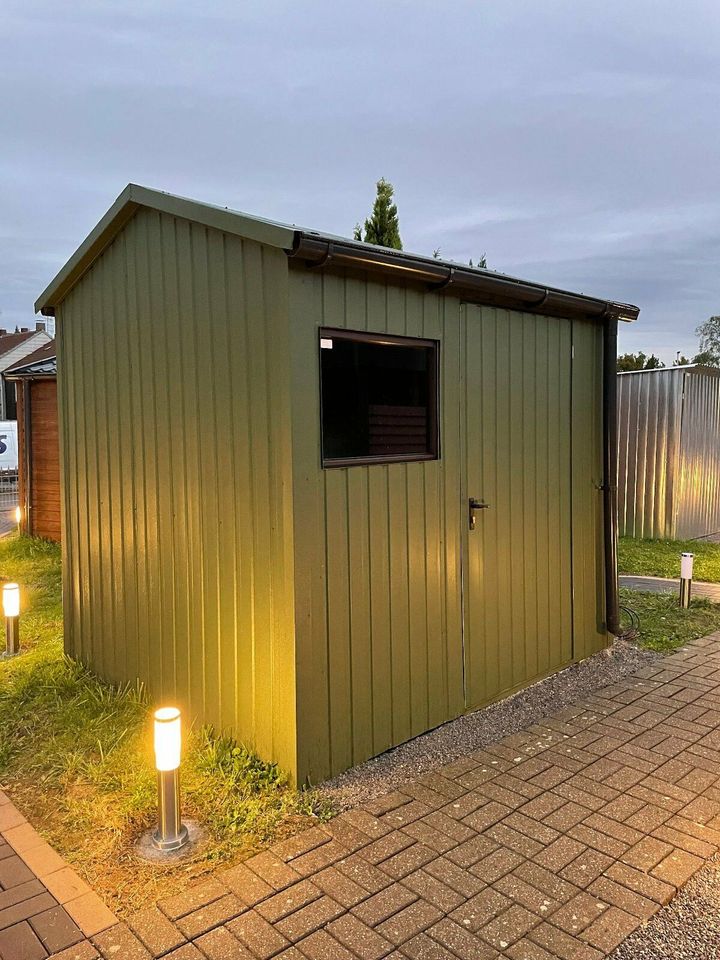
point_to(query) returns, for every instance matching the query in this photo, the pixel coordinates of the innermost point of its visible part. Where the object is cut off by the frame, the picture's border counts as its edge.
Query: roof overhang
(318, 251)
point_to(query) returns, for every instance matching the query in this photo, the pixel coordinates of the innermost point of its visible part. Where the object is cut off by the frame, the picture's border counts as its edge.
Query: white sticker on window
(325, 344)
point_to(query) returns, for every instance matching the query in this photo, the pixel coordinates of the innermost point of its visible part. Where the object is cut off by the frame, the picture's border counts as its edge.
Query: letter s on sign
(3, 445)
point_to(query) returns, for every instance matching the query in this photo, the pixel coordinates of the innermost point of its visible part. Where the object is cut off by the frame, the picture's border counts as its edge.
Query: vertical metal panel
(589, 618)
(175, 435)
(377, 560)
(698, 497)
(518, 575)
(649, 416)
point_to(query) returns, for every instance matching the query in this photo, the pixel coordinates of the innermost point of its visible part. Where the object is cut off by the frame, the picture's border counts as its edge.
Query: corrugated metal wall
(649, 415)
(174, 380)
(698, 499)
(669, 453)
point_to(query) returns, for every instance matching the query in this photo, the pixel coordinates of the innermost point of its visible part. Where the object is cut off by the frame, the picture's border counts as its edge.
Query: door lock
(474, 505)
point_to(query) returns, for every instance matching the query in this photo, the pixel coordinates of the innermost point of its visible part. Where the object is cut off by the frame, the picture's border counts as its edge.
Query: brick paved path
(666, 585)
(44, 905)
(555, 843)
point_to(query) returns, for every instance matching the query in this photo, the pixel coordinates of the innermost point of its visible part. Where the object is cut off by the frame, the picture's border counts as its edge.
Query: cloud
(573, 143)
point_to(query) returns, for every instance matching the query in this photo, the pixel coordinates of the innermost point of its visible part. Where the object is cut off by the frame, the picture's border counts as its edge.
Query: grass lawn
(76, 757)
(664, 625)
(661, 558)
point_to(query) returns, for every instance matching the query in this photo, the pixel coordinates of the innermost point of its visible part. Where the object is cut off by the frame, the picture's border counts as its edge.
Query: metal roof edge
(130, 200)
(319, 249)
(689, 367)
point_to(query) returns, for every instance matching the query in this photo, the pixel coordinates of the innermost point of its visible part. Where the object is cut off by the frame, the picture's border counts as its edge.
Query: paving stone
(528, 896)
(220, 944)
(548, 883)
(238, 879)
(42, 859)
(677, 868)
(646, 853)
(90, 914)
(120, 941)
(346, 834)
(436, 892)
(261, 938)
(309, 918)
(272, 870)
(196, 897)
(469, 852)
(408, 860)
(340, 887)
(187, 952)
(618, 896)
(461, 942)
(384, 904)
(19, 942)
(608, 931)
(56, 930)
(24, 891)
(13, 872)
(464, 882)
(642, 883)
(363, 873)
(288, 900)
(26, 909)
(481, 909)
(408, 922)
(154, 929)
(65, 885)
(562, 945)
(497, 864)
(509, 927)
(81, 951)
(423, 947)
(430, 836)
(559, 853)
(299, 844)
(585, 868)
(359, 938)
(322, 946)
(219, 911)
(578, 913)
(319, 858)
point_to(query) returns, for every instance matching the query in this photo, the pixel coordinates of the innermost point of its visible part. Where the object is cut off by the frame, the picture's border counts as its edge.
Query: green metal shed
(271, 441)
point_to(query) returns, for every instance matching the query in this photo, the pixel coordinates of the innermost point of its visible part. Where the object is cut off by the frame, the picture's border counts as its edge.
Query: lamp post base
(12, 637)
(147, 849)
(173, 843)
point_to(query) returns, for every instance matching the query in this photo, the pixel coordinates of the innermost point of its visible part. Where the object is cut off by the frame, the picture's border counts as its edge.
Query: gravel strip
(688, 928)
(476, 730)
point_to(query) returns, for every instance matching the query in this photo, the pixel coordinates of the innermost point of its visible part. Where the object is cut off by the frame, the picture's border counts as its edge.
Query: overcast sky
(575, 142)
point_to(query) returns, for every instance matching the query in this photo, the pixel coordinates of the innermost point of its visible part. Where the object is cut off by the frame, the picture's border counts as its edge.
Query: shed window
(379, 398)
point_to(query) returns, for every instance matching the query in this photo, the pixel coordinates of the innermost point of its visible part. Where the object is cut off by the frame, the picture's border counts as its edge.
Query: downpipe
(610, 467)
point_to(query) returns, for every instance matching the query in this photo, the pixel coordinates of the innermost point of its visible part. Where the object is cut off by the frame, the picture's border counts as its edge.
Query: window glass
(379, 398)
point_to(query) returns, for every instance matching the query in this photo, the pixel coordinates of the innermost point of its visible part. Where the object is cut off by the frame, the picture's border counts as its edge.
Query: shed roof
(324, 250)
(41, 363)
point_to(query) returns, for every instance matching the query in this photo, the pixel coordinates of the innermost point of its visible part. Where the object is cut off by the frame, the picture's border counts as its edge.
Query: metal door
(517, 561)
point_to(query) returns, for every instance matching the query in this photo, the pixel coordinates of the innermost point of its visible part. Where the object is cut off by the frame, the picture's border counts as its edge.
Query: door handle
(474, 505)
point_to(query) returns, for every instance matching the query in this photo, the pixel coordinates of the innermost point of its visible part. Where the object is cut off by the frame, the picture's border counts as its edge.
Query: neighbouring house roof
(41, 363)
(324, 250)
(8, 341)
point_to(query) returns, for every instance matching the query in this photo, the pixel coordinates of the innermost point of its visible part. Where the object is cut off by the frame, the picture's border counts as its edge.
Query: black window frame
(331, 333)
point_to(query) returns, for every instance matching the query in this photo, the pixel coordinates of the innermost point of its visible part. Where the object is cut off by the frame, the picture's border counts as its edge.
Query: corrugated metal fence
(669, 452)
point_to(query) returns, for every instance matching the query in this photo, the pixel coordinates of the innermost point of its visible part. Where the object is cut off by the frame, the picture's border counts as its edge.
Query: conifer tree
(382, 227)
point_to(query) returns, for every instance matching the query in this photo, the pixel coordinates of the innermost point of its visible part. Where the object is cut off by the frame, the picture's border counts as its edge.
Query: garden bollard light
(686, 572)
(171, 833)
(18, 517)
(11, 609)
